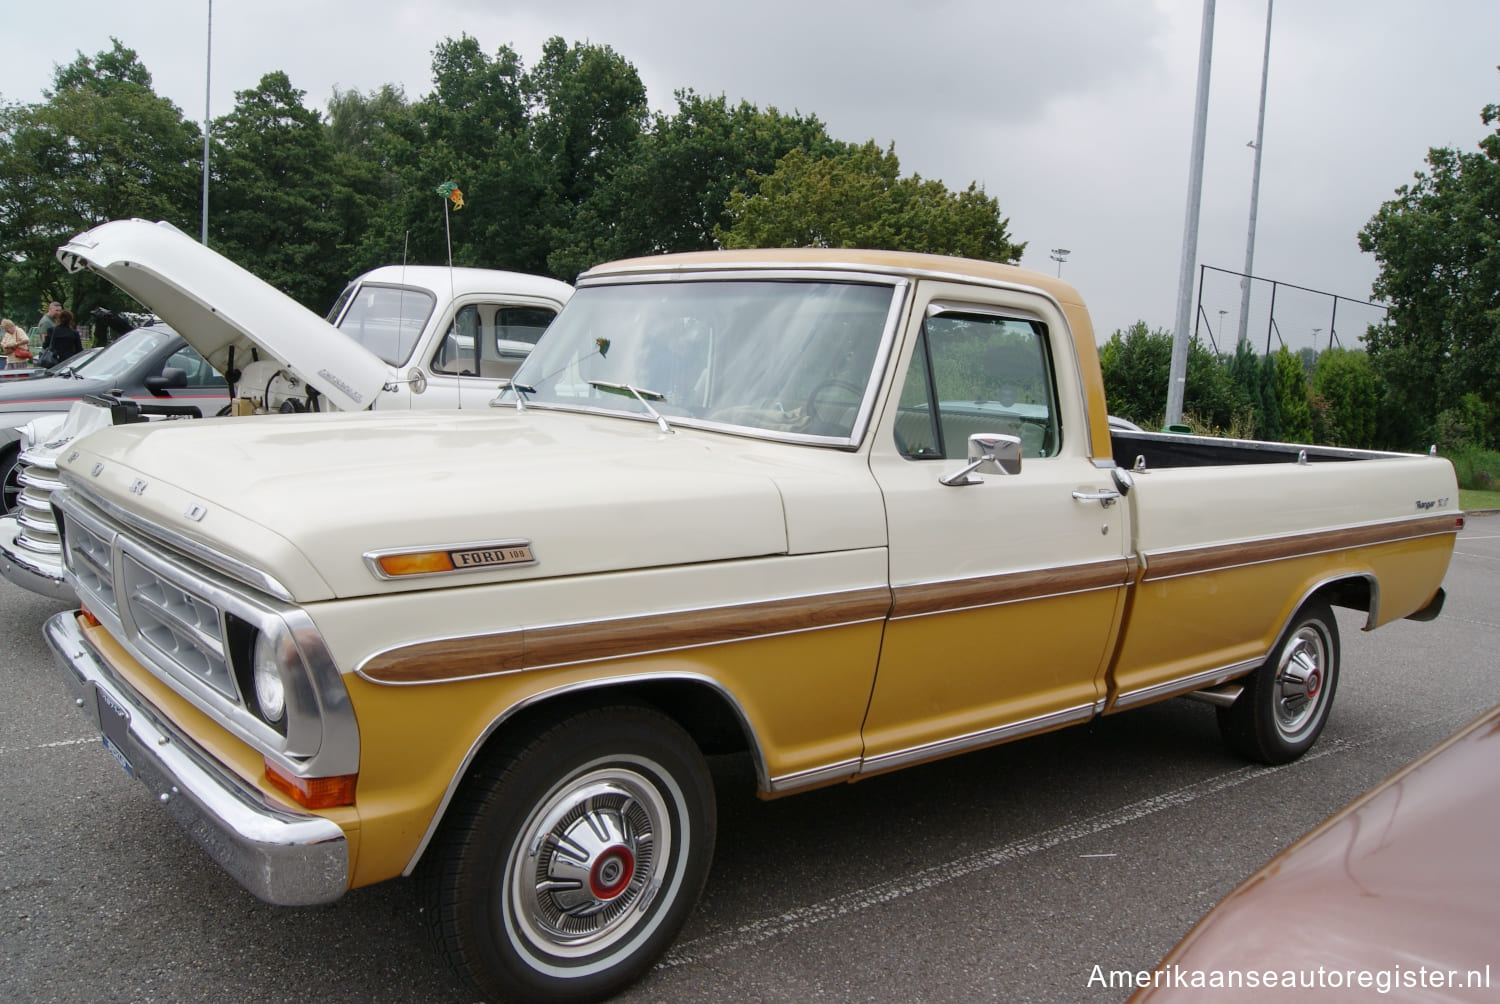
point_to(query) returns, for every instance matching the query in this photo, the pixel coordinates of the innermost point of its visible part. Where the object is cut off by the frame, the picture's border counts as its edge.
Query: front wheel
(10, 472)
(569, 864)
(1285, 702)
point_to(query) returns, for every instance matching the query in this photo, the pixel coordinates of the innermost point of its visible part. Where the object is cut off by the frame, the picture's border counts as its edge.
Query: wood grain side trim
(991, 590)
(565, 644)
(1194, 561)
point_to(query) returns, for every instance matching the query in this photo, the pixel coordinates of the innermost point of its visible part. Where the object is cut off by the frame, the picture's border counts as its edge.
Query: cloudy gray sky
(1076, 114)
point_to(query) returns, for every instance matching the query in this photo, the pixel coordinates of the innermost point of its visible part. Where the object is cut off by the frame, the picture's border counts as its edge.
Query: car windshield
(787, 357)
(387, 320)
(123, 354)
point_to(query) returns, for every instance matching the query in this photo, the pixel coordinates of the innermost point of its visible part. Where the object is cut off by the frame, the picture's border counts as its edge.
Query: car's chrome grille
(189, 625)
(89, 557)
(184, 628)
(38, 527)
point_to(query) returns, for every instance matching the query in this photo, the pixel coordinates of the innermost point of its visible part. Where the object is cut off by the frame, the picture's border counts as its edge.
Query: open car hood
(219, 308)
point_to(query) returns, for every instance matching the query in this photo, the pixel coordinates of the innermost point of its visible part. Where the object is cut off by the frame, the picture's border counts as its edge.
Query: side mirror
(171, 378)
(989, 453)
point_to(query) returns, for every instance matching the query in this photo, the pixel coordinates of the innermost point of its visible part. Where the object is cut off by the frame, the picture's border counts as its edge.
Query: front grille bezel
(140, 591)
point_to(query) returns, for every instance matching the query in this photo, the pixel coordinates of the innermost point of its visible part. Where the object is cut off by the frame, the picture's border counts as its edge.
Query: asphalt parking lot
(1007, 874)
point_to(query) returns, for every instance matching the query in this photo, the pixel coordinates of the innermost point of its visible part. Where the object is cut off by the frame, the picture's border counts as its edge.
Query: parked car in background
(1393, 897)
(398, 337)
(149, 364)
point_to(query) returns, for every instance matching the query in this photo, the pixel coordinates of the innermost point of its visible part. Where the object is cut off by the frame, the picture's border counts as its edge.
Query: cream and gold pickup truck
(841, 511)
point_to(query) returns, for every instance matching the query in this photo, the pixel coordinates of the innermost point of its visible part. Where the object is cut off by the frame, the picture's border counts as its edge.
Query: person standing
(49, 319)
(62, 342)
(12, 339)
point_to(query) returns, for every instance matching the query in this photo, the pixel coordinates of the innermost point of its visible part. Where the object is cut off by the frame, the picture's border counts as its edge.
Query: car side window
(199, 372)
(977, 373)
(490, 340)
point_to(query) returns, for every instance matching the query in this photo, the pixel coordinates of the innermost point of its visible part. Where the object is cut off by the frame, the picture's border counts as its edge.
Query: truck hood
(223, 311)
(587, 494)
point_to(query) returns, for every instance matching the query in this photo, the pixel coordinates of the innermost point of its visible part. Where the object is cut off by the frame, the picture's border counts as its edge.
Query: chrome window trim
(975, 740)
(900, 291)
(232, 567)
(322, 736)
(757, 754)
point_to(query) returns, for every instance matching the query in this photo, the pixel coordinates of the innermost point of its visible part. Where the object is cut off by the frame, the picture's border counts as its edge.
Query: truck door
(1007, 590)
(483, 345)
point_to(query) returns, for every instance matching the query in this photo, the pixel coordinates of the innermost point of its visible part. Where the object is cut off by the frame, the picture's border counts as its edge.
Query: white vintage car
(399, 337)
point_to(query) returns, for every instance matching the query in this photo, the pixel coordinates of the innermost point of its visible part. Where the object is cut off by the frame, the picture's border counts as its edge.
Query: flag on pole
(452, 193)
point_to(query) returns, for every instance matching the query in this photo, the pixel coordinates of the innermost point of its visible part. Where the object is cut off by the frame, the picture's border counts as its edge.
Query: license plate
(114, 723)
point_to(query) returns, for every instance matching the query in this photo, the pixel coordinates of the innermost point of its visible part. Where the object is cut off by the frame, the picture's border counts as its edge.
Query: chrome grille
(187, 623)
(89, 558)
(38, 527)
(182, 627)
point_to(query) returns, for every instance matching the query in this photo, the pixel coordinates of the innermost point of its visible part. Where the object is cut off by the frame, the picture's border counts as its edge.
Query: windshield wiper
(519, 388)
(640, 394)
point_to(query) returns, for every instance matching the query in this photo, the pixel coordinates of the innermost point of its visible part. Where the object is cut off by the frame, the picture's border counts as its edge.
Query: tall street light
(1177, 374)
(1059, 255)
(1259, 144)
(207, 116)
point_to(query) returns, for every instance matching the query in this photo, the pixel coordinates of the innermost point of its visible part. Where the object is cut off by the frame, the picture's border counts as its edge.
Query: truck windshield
(387, 320)
(787, 357)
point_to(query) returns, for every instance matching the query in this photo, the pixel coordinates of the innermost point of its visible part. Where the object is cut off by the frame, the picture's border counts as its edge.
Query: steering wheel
(833, 383)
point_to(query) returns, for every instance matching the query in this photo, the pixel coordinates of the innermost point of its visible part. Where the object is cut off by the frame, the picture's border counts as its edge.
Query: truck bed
(1161, 450)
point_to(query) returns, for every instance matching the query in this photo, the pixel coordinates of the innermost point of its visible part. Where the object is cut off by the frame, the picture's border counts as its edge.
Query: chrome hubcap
(1300, 680)
(586, 865)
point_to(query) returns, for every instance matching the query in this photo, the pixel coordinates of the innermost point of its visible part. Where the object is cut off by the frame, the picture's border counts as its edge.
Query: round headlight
(270, 691)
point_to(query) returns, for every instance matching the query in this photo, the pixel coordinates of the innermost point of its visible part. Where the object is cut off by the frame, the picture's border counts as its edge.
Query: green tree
(102, 145)
(1268, 424)
(1291, 397)
(280, 204)
(1346, 385)
(471, 129)
(860, 199)
(1245, 376)
(672, 193)
(1438, 248)
(1137, 364)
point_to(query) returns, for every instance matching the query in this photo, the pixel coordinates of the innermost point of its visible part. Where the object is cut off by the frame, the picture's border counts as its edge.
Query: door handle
(1106, 497)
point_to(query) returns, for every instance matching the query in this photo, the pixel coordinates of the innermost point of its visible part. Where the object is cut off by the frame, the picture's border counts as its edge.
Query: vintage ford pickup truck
(400, 337)
(843, 511)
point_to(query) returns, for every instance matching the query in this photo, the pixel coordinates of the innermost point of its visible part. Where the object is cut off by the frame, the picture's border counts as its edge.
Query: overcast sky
(1076, 115)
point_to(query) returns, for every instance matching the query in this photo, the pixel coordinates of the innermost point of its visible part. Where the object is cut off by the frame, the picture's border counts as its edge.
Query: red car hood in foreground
(1396, 897)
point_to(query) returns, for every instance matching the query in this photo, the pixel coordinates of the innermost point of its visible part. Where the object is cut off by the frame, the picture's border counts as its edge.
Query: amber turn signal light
(313, 792)
(420, 563)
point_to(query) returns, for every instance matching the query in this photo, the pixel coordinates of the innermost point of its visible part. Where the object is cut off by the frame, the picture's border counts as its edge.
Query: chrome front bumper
(38, 573)
(283, 857)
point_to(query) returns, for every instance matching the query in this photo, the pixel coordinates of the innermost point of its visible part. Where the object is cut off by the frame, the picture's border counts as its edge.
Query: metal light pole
(1259, 144)
(207, 120)
(1177, 377)
(1059, 255)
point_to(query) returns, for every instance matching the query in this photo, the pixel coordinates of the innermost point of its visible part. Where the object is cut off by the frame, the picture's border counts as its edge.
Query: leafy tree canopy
(1137, 364)
(859, 199)
(102, 146)
(1438, 247)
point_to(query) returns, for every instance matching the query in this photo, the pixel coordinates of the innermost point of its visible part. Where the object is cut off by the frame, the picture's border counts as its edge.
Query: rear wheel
(1286, 701)
(569, 864)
